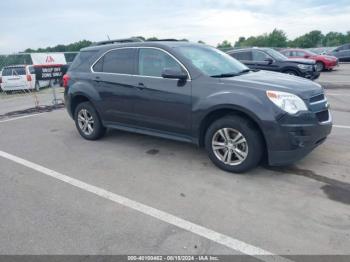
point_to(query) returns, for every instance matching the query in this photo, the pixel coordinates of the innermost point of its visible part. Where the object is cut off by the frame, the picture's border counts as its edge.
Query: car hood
(301, 61)
(330, 57)
(268, 80)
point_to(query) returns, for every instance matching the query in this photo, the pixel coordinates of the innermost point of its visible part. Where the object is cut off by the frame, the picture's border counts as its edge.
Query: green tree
(277, 38)
(73, 47)
(311, 39)
(335, 39)
(240, 42)
(153, 38)
(224, 45)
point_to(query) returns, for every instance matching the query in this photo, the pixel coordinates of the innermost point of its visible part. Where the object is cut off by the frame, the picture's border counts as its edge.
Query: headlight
(288, 102)
(305, 67)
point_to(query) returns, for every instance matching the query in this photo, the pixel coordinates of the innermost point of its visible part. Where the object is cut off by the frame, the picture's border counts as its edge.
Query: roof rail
(124, 40)
(164, 40)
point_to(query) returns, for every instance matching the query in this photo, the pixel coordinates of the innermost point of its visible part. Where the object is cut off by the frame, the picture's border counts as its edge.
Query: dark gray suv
(197, 94)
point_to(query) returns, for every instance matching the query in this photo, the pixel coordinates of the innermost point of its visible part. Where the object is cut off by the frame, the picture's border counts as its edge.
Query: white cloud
(37, 24)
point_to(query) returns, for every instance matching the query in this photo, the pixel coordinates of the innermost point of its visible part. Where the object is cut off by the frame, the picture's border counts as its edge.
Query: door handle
(97, 79)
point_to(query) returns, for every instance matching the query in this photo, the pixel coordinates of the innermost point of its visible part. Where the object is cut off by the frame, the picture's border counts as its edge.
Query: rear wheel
(234, 144)
(88, 122)
(319, 66)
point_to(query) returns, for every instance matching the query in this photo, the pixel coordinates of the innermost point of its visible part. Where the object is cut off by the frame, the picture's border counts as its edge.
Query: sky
(39, 23)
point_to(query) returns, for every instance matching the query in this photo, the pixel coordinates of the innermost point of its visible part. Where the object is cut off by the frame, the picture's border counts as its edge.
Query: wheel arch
(78, 99)
(217, 113)
(289, 68)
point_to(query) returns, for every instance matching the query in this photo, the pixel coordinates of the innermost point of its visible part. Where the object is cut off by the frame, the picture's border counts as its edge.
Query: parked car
(18, 77)
(197, 94)
(341, 52)
(271, 60)
(321, 50)
(323, 62)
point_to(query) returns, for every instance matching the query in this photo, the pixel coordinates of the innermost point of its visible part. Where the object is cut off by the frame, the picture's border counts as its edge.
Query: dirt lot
(135, 194)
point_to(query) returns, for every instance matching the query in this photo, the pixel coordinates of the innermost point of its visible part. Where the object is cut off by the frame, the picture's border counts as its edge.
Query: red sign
(49, 59)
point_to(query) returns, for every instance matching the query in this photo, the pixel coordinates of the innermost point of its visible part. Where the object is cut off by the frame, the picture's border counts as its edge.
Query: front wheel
(291, 72)
(234, 144)
(88, 122)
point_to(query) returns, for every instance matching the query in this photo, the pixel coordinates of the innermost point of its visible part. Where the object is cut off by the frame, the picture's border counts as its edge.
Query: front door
(162, 104)
(263, 61)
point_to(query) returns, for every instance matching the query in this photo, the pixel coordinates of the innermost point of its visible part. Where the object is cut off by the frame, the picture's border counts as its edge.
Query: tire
(320, 66)
(251, 145)
(86, 114)
(291, 72)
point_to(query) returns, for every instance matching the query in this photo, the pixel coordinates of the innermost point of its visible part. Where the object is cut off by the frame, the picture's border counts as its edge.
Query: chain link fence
(23, 91)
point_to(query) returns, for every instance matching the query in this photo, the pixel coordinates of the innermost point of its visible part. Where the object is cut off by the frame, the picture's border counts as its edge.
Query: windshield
(309, 52)
(212, 61)
(276, 55)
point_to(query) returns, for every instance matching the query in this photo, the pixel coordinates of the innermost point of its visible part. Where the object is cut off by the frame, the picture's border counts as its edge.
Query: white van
(18, 77)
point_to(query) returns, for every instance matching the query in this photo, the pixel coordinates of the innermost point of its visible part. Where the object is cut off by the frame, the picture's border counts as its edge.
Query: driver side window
(152, 62)
(259, 56)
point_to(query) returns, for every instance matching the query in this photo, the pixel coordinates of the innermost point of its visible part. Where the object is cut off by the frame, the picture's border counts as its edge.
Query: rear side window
(31, 70)
(14, 71)
(98, 67)
(83, 61)
(20, 71)
(152, 62)
(245, 56)
(120, 61)
(7, 72)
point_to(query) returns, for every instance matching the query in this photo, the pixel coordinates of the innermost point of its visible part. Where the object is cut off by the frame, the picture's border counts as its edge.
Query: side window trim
(245, 51)
(136, 64)
(173, 57)
(259, 51)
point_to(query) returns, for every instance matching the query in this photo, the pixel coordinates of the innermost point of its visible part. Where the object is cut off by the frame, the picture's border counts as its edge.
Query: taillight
(29, 78)
(66, 79)
(0, 80)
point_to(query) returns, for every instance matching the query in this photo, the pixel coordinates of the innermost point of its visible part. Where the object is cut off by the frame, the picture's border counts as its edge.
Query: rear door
(14, 78)
(114, 79)
(245, 57)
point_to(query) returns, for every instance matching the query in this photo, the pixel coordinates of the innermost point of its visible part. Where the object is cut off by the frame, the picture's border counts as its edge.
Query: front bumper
(312, 75)
(331, 64)
(296, 136)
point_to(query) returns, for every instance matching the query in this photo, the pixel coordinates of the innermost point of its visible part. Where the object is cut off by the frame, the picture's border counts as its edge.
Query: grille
(317, 98)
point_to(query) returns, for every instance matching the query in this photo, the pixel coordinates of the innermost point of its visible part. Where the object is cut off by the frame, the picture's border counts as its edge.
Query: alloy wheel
(85, 122)
(230, 146)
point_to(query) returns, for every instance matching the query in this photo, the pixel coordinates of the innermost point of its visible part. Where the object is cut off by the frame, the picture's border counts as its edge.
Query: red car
(322, 61)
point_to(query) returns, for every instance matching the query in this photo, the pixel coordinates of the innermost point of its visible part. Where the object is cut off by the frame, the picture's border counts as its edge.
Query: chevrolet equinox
(197, 94)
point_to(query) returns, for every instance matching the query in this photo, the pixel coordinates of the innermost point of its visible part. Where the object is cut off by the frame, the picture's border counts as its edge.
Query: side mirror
(174, 74)
(269, 60)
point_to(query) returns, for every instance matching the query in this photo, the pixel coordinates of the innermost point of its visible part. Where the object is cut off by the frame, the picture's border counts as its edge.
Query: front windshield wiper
(225, 75)
(245, 71)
